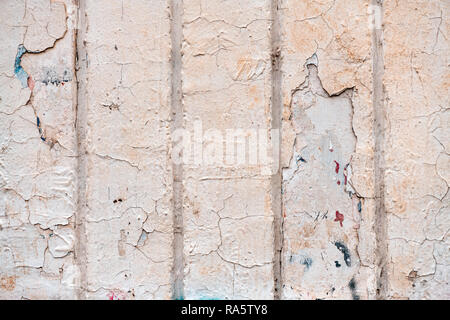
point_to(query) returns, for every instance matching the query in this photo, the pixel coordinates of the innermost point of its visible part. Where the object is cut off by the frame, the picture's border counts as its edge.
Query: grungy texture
(94, 206)
(127, 215)
(227, 212)
(416, 81)
(327, 150)
(38, 151)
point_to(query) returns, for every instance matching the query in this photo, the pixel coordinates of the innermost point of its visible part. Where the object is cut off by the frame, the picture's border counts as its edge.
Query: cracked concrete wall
(227, 212)
(416, 81)
(352, 203)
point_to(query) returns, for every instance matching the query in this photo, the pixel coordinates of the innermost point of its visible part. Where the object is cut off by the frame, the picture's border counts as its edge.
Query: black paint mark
(338, 265)
(352, 286)
(342, 248)
(18, 70)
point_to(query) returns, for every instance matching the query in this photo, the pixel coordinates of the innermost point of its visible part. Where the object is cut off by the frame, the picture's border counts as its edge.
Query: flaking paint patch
(20, 73)
(41, 132)
(352, 287)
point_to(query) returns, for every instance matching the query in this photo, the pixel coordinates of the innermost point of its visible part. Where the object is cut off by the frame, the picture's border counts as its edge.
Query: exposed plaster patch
(319, 169)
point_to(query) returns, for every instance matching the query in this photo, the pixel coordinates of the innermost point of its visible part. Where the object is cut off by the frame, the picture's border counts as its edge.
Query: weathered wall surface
(416, 81)
(203, 149)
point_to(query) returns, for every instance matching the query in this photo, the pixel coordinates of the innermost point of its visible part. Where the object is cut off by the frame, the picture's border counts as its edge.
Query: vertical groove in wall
(379, 140)
(80, 123)
(276, 144)
(176, 36)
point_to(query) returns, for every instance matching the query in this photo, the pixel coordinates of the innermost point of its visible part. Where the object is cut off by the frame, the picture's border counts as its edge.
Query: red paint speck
(345, 179)
(339, 217)
(337, 166)
(339, 182)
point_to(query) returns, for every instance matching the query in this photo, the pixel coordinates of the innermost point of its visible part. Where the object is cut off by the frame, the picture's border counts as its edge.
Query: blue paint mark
(302, 259)
(300, 158)
(181, 297)
(359, 206)
(18, 70)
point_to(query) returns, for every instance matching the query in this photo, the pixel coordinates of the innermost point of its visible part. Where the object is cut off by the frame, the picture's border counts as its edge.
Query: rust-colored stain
(8, 283)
